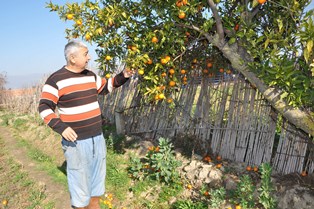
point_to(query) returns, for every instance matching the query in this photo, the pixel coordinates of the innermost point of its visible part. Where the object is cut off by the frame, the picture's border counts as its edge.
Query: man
(73, 90)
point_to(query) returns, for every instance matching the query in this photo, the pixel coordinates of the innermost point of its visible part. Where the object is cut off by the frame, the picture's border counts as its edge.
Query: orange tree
(269, 42)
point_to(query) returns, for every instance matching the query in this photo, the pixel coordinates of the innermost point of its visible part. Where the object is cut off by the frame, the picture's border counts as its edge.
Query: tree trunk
(297, 117)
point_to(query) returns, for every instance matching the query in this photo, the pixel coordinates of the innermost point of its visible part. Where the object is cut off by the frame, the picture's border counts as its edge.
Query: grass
(16, 186)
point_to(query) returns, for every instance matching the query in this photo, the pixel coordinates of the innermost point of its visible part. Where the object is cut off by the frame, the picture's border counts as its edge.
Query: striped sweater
(76, 97)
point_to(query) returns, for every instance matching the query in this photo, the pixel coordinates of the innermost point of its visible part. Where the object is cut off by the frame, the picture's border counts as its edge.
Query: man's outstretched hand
(127, 72)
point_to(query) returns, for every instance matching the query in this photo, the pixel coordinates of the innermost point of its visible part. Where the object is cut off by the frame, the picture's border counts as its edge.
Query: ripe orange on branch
(70, 16)
(154, 39)
(141, 72)
(172, 83)
(261, 1)
(209, 64)
(171, 71)
(182, 15)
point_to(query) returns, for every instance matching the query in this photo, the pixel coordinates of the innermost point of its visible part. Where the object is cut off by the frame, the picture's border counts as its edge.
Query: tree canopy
(269, 42)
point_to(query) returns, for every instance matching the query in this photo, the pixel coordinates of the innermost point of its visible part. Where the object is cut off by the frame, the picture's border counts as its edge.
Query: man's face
(81, 58)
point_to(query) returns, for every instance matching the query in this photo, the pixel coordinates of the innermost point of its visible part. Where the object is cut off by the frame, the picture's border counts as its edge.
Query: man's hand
(69, 134)
(127, 72)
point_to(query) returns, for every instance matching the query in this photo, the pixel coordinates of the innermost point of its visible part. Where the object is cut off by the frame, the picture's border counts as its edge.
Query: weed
(188, 204)
(244, 192)
(266, 197)
(217, 197)
(159, 164)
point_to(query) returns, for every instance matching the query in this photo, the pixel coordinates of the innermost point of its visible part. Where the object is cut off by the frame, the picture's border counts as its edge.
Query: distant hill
(24, 81)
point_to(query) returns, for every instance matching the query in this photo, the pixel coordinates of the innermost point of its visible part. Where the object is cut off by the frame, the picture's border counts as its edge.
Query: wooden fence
(226, 117)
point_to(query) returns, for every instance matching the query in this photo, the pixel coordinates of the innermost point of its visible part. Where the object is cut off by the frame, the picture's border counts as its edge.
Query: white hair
(72, 47)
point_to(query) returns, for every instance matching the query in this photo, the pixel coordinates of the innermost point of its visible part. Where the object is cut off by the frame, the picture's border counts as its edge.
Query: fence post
(119, 119)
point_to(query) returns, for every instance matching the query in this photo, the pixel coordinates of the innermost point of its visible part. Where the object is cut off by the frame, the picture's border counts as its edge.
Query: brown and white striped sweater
(76, 97)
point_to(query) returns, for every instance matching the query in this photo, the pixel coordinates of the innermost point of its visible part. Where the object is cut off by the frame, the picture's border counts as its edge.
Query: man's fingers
(69, 134)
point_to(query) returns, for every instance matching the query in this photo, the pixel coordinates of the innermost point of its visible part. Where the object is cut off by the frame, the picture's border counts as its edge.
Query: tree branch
(219, 25)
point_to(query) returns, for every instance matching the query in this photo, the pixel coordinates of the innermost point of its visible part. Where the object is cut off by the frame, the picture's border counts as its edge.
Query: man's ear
(72, 59)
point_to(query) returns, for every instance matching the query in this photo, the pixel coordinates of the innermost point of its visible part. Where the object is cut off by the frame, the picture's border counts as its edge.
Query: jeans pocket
(72, 155)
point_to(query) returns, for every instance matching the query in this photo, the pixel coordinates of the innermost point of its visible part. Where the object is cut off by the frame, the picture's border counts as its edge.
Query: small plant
(266, 197)
(162, 161)
(135, 169)
(188, 204)
(159, 163)
(244, 192)
(217, 197)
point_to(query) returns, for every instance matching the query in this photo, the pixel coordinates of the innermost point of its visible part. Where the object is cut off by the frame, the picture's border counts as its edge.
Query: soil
(55, 192)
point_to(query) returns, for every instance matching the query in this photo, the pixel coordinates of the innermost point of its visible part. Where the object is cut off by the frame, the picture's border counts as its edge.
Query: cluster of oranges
(252, 168)
(208, 159)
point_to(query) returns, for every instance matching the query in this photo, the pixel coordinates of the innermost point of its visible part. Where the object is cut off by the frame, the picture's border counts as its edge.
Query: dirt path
(54, 191)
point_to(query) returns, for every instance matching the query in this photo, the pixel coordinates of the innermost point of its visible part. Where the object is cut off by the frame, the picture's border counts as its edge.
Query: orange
(163, 74)
(261, 1)
(79, 22)
(172, 83)
(205, 71)
(185, 2)
(134, 48)
(110, 22)
(248, 168)
(209, 64)
(236, 27)
(221, 70)
(70, 16)
(154, 39)
(303, 173)
(219, 165)
(163, 61)
(189, 186)
(141, 72)
(171, 71)
(88, 37)
(184, 78)
(187, 34)
(183, 71)
(108, 57)
(206, 193)
(182, 15)
(149, 61)
(237, 207)
(161, 96)
(218, 157)
(169, 100)
(255, 168)
(108, 75)
(167, 58)
(179, 3)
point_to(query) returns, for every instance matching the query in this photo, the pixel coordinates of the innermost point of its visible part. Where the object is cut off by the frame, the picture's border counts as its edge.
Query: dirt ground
(55, 192)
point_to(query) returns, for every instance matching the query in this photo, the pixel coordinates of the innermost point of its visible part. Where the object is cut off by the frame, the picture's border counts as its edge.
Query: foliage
(188, 204)
(217, 197)
(266, 197)
(244, 192)
(159, 163)
(275, 39)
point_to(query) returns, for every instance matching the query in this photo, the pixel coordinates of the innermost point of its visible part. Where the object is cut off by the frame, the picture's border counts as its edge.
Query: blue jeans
(86, 168)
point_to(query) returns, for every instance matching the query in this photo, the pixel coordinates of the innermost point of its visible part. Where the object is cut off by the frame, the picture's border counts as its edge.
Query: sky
(32, 40)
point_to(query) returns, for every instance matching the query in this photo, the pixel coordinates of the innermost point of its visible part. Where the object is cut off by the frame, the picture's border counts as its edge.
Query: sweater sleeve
(47, 105)
(106, 86)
